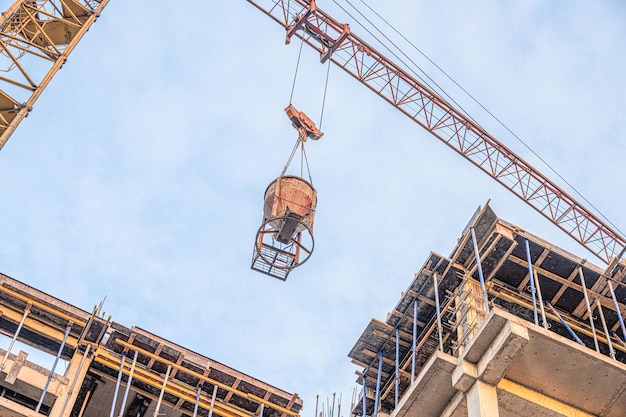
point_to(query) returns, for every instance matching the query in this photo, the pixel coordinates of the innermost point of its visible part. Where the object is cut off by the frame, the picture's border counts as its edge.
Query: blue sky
(140, 173)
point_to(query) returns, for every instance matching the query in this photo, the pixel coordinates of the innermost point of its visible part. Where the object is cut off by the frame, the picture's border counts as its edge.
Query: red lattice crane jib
(334, 41)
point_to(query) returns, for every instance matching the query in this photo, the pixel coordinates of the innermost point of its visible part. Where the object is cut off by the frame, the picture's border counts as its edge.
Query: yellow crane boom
(36, 38)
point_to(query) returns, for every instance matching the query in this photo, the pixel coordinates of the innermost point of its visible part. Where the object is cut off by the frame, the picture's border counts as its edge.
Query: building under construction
(114, 370)
(547, 342)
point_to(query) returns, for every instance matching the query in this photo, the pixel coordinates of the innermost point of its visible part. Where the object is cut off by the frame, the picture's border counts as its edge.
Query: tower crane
(36, 38)
(335, 42)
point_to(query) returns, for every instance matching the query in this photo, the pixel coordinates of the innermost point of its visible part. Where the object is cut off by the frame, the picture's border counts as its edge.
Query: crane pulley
(304, 125)
(301, 22)
(334, 41)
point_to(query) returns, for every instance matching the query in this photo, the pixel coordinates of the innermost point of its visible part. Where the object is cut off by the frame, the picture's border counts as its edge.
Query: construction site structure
(113, 370)
(507, 325)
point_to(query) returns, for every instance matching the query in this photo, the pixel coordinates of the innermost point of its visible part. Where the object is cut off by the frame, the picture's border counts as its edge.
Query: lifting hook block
(303, 124)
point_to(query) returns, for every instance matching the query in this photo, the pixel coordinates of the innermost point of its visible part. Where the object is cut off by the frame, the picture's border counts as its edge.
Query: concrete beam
(431, 391)
(549, 405)
(464, 376)
(495, 362)
(16, 408)
(560, 368)
(483, 339)
(40, 328)
(15, 369)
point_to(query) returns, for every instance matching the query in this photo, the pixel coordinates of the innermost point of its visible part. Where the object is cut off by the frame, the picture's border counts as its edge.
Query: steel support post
(544, 322)
(364, 394)
(619, 313)
(397, 366)
(212, 401)
(532, 281)
(117, 385)
(87, 326)
(380, 371)
(128, 383)
(160, 400)
(438, 310)
(589, 311)
(606, 329)
(195, 407)
(158, 406)
(567, 327)
(17, 332)
(414, 346)
(54, 365)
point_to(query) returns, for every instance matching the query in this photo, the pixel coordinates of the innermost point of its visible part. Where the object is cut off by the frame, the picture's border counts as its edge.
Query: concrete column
(470, 312)
(66, 396)
(482, 400)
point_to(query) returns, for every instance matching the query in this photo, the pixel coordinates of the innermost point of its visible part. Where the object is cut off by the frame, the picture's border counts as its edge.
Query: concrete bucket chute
(285, 239)
(293, 198)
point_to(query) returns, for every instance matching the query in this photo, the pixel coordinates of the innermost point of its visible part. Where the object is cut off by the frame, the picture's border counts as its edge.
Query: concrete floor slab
(432, 389)
(563, 369)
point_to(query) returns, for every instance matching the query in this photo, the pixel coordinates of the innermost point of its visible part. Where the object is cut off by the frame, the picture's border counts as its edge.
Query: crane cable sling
(429, 81)
(300, 142)
(325, 90)
(293, 152)
(304, 161)
(295, 75)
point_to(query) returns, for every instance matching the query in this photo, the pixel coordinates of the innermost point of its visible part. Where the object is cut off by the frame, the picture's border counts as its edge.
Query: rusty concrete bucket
(285, 239)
